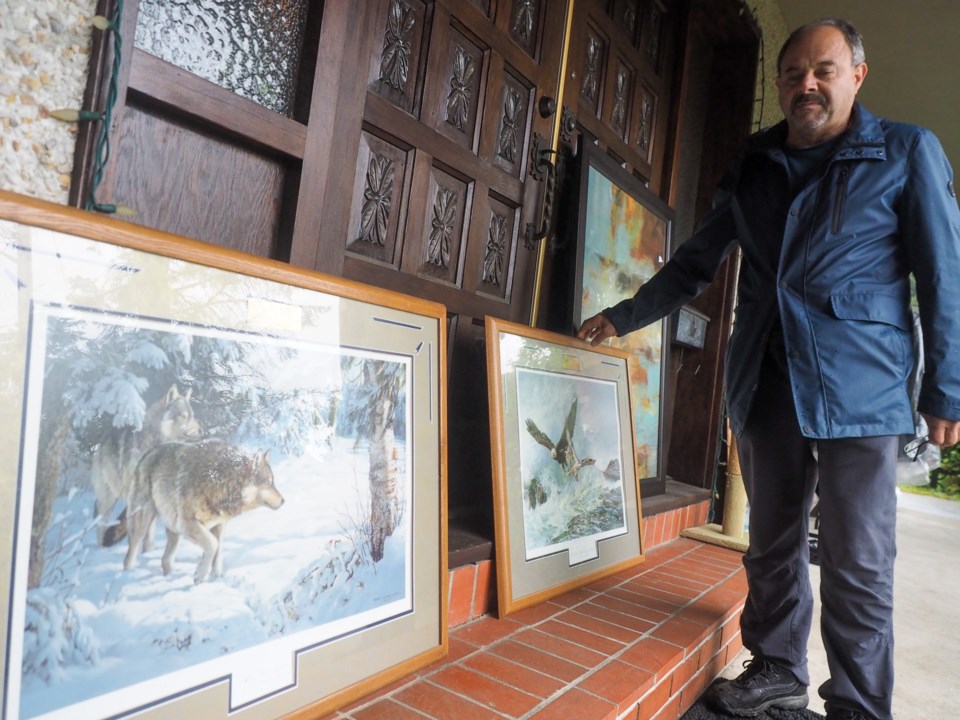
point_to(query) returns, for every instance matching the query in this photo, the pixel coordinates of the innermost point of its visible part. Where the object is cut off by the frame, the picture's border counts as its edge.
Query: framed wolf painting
(623, 239)
(566, 493)
(211, 468)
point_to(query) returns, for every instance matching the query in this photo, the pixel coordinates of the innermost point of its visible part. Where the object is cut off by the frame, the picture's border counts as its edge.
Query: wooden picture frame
(623, 238)
(566, 491)
(193, 376)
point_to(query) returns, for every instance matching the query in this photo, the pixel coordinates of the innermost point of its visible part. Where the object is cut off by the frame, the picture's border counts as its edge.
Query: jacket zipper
(841, 196)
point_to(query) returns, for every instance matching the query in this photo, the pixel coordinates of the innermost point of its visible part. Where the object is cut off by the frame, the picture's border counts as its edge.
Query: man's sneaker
(763, 685)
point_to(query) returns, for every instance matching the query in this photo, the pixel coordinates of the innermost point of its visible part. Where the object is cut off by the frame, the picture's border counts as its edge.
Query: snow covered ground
(99, 640)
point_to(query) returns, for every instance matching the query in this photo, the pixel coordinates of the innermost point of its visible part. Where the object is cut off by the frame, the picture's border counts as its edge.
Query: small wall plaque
(690, 329)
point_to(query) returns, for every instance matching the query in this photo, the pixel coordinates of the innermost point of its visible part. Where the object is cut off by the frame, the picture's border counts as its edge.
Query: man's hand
(942, 432)
(596, 329)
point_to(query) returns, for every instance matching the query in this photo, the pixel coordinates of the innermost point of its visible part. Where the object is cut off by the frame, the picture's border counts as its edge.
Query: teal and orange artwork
(625, 243)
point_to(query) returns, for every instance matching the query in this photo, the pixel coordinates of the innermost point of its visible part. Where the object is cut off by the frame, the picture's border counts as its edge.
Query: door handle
(542, 169)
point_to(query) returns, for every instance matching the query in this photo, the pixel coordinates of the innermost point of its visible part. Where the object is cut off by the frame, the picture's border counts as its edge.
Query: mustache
(810, 97)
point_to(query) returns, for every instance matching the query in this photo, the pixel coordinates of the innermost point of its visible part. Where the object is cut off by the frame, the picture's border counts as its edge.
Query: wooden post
(735, 497)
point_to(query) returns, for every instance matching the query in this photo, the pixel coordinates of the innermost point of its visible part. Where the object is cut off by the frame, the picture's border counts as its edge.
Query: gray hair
(850, 33)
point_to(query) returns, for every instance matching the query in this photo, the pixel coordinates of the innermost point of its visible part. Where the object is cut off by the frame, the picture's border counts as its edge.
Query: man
(833, 209)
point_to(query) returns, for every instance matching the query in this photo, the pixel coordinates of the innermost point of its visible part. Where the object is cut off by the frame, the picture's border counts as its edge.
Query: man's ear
(859, 73)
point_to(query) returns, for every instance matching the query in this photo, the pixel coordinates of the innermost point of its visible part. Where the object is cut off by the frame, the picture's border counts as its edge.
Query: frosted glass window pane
(251, 47)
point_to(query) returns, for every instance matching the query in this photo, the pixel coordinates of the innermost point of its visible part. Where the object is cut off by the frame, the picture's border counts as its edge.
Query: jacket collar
(862, 139)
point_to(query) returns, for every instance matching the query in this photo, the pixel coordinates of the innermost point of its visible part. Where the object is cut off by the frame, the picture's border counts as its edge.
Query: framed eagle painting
(566, 492)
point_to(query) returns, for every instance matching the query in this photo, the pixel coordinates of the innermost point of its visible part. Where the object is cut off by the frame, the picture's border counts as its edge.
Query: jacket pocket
(872, 307)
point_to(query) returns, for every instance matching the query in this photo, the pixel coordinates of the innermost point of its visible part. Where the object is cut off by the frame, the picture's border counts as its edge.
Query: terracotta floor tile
(538, 660)
(388, 710)
(484, 631)
(652, 703)
(619, 683)
(605, 584)
(670, 711)
(511, 673)
(457, 649)
(652, 586)
(660, 587)
(711, 609)
(485, 592)
(654, 655)
(577, 705)
(438, 703)
(657, 588)
(585, 620)
(631, 608)
(652, 557)
(651, 617)
(738, 582)
(680, 632)
(486, 691)
(535, 614)
(560, 647)
(382, 692)
(635, 624)
(658, 535)
(649, 598)
(586, 638)
(461, 594)
(574, 597)
(730, 629)
(683, 585)
(719, 563)
(703, 562)
(683, 672)
(698, 571)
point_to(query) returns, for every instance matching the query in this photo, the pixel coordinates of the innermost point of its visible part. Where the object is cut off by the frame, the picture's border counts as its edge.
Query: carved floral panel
(591, 74)
(646, 121)
(654, 34)
(499, 250)
(630, 19)
(621, 99)
(444, 227)
(378, 187)
(525, 24)
(395, 66)
(457, 117)
(513, 125)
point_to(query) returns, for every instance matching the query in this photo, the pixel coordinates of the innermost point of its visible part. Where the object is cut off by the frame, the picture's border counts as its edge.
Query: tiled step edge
(472, 590)
(656, 676)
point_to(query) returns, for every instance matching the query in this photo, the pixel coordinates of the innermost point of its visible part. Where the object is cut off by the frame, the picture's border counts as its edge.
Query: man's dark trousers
(856, 482)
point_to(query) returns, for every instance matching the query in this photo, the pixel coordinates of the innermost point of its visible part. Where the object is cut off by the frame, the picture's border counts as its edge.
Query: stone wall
(770, 19)
(44, 59)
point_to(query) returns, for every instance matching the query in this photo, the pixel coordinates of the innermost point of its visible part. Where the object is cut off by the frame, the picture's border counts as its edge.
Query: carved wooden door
(431, 194)
(435, 199)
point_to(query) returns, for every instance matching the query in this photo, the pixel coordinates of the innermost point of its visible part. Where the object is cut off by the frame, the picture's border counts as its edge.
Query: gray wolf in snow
(114, 460)
(195, 488)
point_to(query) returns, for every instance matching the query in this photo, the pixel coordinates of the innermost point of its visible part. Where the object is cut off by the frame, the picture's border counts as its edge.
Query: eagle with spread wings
(562, 450)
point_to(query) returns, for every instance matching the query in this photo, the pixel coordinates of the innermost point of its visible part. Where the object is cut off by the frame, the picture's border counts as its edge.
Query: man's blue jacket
(835, 264)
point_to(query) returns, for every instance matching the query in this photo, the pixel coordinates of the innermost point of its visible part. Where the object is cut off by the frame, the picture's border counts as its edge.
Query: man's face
(818, 84)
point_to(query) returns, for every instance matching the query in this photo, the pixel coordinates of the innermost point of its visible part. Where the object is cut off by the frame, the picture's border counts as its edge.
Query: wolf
(195, 488)
(114, 460)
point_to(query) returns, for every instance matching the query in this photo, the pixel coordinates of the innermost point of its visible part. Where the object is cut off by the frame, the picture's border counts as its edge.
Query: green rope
(102, 151)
